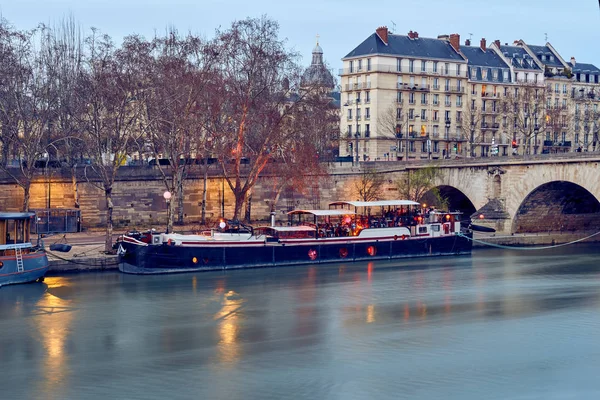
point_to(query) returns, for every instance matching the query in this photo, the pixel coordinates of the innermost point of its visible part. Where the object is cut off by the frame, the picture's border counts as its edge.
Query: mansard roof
(582, 68)
(546, 52)
(477, 57)
(403, 46)
(519, 58)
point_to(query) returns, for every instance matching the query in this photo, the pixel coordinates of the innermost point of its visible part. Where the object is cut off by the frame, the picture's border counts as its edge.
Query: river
(499, 324)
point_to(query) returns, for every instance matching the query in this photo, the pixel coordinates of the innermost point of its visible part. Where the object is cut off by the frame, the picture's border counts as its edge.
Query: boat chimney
(272, 218)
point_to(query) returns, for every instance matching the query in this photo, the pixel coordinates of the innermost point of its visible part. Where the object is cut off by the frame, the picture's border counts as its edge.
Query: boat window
(435, 228)
(422, 229)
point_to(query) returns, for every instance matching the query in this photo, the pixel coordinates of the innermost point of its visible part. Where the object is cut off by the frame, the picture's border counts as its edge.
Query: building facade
(405, 97)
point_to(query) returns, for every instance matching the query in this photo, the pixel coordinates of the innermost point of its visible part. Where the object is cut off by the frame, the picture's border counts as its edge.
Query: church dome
(317, 74)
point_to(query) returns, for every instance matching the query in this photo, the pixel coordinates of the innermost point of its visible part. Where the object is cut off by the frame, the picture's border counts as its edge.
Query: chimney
(411, 35)
(416, 34)
(497, 43)
(468, 42)
(482, 44)
(382, 32)
(443, 37)
(455, 41)
(573, 61)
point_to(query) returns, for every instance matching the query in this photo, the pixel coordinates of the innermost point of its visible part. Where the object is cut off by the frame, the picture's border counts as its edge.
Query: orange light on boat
(371, 250)
(1, 264)
(448, 217)
(194, 260)
(481, 216)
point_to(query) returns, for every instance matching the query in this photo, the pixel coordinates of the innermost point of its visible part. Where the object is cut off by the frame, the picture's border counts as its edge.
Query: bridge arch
(557, 206)
(457, 200)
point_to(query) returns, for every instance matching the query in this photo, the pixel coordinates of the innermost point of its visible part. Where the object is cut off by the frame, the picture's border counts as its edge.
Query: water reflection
(229, 319)
(53, 322)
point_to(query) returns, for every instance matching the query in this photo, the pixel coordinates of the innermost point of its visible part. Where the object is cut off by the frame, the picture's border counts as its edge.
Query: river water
(500, 324)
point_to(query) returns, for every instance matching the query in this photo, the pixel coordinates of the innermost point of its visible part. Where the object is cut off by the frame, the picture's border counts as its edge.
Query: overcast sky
(571, 26)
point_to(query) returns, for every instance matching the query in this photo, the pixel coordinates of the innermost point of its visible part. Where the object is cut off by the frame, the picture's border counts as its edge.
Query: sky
(572, 27)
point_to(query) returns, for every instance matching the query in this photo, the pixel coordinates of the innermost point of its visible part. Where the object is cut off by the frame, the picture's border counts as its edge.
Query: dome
(317, 74)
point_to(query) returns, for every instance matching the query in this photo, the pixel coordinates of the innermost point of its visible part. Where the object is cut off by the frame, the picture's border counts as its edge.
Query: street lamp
(448, 137)
(167, 197)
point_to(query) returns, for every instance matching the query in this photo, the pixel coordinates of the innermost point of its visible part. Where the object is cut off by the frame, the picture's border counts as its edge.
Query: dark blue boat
(353, 238)
(20, 260)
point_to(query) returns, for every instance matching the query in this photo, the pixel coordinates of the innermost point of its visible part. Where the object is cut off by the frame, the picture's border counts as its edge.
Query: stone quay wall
(139, 203)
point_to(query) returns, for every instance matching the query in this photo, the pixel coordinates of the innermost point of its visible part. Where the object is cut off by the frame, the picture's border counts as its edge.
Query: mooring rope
(502, 246)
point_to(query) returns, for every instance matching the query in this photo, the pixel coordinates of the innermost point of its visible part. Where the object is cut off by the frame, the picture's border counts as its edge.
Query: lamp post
(167, 197)
(447, 131)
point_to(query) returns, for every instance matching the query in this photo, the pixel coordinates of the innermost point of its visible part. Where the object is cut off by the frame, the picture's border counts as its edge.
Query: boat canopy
(15, 215)
(322, 213)
(379, 203)
(299, 228)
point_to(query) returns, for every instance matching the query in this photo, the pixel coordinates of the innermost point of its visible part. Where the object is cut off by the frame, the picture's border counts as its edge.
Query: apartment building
(407, 97)
(399, 93)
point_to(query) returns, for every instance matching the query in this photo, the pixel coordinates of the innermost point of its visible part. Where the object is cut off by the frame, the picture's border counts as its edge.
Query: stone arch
(557, 206)
(457, 200)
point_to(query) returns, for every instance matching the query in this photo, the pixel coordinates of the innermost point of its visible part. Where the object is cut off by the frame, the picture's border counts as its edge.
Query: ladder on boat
(19, 256)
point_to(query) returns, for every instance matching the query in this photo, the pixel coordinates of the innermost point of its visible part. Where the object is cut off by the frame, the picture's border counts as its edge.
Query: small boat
(337, 234)
(20, 260)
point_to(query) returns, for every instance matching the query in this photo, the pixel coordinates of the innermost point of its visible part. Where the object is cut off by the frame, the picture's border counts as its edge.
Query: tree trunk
(26, 196)
(239, 204)
(247, 216)
(180, 202)
(109, 220)
(204, 184)
(75, 186)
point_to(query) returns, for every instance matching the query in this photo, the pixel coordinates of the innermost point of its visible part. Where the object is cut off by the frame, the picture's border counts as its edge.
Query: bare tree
(112, 91)
(28, 101)
(258, 96)
(525, 109)
(473, 118)
(369, 185)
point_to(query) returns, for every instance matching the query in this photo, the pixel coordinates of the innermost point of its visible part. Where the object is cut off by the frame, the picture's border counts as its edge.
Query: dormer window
(495, 74)
(473, 73)
(551, 58)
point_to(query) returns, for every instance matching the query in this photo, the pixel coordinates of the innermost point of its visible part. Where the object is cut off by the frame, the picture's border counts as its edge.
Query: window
(349, 113)
(399, 97)
(423, 115)
(360, 65)
(473, 105)
(351, 66)
(411, 98)
(446, 69)
(473, 89)
(368, 64)
(412, 81)
(423, 66)
(473, 73)
(435, 115)
(367, 130)
(458, 69)
(448, 100)
(436, 83)
(526, 77)
(564, 88)
(458, 116)
(358, 113)
(446, 116)
(411, 114)
(564, 102)
(495, 74)
(367, 97)
(424, 82)
(399, 64)
(411, 66)
(556, 88)
(447, 85)
(398, 113)
(459, 101)
(436, 99)
(367, 113)
(535, 78)
(358, 97)
(505, 91)
(483, 103)
(423, 98)
(435, 66)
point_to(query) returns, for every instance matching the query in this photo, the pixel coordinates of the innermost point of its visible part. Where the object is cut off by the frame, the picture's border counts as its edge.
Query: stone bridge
(523, 194)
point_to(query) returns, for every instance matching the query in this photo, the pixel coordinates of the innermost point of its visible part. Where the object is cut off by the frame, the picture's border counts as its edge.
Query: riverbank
(87, 251)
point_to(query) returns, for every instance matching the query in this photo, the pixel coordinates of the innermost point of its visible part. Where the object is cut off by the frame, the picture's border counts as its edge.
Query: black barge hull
(166, 258)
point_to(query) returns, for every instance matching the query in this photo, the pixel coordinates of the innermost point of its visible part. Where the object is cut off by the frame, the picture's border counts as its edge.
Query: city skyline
(340, 25)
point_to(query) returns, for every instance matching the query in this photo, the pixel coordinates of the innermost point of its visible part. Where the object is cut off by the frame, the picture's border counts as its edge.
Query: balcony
(550, 143)
(454, 89)
(413, 88)
(495, 125)
(489, 110)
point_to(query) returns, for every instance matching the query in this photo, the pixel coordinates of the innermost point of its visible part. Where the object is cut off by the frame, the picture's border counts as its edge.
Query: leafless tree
(112, 92)
(369, 185)
(525, 109)
(259, 95)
